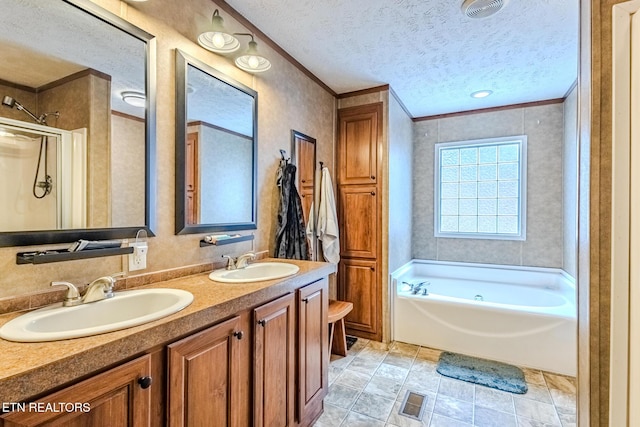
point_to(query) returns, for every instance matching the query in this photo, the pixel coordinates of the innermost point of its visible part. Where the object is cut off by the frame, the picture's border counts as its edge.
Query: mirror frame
(183, 61)
(26, 238)
(295, 136)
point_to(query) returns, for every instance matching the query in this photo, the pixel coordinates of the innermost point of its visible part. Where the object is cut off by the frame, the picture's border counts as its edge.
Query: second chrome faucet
(241, 262)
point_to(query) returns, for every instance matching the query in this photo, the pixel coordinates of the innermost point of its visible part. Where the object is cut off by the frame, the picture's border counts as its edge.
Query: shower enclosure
(42, 177)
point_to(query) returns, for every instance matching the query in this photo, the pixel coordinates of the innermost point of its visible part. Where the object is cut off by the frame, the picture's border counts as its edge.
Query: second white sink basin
(124, 310)
(255, 272)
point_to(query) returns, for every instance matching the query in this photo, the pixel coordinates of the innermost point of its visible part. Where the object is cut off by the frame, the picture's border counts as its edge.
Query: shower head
(8, 101)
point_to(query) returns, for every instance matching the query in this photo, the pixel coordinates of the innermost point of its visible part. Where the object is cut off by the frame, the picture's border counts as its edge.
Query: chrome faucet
(99, 289)
(422, 286)
(243, 260)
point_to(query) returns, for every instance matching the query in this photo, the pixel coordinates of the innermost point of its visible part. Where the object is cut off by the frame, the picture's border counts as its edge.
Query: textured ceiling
(427, 50)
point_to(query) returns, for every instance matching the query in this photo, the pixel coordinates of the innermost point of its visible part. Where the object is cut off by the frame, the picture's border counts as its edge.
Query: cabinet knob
(145, 382)
(373, 269)
(262, 322)
(238, 334)
(373, 193)
(303, 181)
(305, 300)
(304, 195)
(373, 177)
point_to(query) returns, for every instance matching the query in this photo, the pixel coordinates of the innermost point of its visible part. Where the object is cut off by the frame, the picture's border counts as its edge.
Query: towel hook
(321, 165)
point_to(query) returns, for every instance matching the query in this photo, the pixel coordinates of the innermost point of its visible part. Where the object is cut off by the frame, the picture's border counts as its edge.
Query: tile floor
(366, 389)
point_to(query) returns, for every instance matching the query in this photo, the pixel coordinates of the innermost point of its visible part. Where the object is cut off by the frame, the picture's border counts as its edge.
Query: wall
(400, 185)
(127, 177)
(570, 184)
(543, 124)
(287, 99)
(231, 181)
(85, 102)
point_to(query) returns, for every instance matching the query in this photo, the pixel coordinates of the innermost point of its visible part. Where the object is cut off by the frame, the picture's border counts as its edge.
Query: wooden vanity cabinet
(266, 366)
(119, 397)
(313, 353)
(274, 363)
(206, 377)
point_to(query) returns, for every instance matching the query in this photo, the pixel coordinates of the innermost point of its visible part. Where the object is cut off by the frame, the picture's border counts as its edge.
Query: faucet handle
(231, 265)
(73, 295)
(115, 276)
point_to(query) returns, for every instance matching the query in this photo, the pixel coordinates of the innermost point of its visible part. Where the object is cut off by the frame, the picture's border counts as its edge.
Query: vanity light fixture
(252, 61)
(217, 39)
(136, 99)
(481, 93)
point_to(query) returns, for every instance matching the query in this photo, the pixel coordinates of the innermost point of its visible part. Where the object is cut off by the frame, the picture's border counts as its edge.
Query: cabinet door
(358, 221)
(360, 134)
(313, 354)
(357, 283)
(274, 363)
(204, 372)
(114, 398)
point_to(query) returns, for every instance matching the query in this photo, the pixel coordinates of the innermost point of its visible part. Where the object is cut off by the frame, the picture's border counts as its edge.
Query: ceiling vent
(481, 8)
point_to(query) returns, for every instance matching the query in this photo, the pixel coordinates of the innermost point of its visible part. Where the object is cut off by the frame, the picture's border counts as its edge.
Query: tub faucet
(422, 286)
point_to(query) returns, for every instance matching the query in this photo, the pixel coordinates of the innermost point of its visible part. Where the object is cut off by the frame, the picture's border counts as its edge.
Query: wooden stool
(337, 311)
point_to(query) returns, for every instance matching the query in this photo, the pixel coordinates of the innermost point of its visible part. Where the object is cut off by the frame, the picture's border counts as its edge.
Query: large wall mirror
(216, 147)
(76, 123)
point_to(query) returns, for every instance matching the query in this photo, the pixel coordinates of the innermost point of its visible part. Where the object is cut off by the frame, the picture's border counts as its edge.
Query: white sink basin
(255, 272)
(124, 310)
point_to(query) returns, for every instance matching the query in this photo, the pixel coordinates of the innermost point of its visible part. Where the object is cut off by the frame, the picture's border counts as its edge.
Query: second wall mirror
(216, 150)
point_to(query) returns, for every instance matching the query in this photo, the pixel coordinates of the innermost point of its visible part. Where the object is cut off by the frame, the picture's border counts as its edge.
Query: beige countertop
(29, 369)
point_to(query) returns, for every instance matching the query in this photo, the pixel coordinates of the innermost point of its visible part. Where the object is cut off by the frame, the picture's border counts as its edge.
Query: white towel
(328, 231)
(309, 231)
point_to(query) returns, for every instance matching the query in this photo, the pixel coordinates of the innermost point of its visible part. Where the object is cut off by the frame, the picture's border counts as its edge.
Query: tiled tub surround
(525, 316)
(544, 127)
(368, 385)
(30, 369)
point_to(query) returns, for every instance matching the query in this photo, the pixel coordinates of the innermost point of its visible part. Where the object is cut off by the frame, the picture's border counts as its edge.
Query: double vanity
(242, 352)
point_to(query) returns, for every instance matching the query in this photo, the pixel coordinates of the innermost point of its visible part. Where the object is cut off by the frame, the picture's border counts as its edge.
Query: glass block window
(480, 188)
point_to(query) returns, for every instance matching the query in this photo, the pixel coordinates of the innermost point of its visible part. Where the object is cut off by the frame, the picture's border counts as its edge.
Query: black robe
(291, 240)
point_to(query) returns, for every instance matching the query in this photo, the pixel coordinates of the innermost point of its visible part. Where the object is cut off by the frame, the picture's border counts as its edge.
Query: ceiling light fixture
(217, 39)
(481, 93)
(252, 61)
(482, 8)
(136, 99)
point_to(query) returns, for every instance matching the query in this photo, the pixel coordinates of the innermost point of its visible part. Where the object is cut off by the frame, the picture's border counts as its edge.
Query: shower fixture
(47, 185)
(8, 101)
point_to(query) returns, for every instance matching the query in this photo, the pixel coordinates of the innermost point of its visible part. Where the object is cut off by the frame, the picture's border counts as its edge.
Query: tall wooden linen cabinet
(359, 203)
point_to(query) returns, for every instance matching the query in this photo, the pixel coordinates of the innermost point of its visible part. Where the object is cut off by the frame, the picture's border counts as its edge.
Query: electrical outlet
(138, 259)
